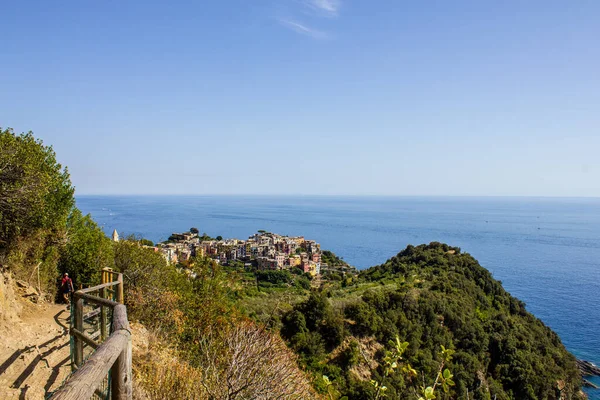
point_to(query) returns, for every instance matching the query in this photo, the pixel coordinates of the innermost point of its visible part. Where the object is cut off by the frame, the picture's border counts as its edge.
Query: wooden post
(102, 316)
(120, 298)
(121, 379)
(103, 293)
(79, 327)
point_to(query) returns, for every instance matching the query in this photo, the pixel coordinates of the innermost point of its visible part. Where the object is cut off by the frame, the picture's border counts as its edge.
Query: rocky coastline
(588, 369)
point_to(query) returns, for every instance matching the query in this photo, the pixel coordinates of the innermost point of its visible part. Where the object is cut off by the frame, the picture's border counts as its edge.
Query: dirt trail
(34, 352)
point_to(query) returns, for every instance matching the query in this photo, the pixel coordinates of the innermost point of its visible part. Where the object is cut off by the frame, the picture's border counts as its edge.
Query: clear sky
(310, 96)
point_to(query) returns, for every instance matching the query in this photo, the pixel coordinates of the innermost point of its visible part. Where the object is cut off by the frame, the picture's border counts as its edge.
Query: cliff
(10, 308)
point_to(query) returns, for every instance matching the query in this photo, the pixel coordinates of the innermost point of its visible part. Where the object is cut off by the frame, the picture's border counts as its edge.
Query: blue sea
(546, 251)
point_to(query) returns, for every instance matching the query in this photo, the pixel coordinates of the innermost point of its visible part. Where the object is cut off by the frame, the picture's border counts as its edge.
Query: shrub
(247, 362)
(36, 197)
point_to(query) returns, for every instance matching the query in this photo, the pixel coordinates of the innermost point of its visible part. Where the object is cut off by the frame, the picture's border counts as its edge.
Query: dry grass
(157, 371)
(250, 363)
(34, 260)
(246, 362)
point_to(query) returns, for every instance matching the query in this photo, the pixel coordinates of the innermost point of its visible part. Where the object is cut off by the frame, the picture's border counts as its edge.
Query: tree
(317, 315)
(194, 230)
(87, 250)
(141, 267)
(274, 277)
(303, 282)
(146, 242)
(36, 197)
(219, 238)
(35, 191)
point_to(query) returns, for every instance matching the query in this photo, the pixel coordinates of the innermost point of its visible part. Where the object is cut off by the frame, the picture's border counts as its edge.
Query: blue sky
(310, 96)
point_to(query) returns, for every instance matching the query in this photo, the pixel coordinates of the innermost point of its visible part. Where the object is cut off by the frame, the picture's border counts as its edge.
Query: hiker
(66, 287)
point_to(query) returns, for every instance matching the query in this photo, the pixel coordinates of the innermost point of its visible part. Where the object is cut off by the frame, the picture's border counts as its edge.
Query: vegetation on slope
(36, 198)
(236, 357)
(430, 296)
(42, 231)
(331, 259)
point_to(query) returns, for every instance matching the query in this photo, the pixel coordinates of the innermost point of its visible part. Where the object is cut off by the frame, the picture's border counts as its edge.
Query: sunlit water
(545, 251)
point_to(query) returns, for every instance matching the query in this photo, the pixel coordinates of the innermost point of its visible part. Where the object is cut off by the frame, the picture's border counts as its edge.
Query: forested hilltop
(428, 323)
(427, 297)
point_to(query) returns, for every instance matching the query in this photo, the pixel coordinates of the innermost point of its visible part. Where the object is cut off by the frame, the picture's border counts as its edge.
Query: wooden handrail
(92, 313)
(95, 299)
(83, 383)
(98, 287)
(113, 355)
(86, 339)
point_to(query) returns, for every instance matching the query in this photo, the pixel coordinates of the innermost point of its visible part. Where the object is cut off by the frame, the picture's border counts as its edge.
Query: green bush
(36, 197)
(274, 277)
(87, 250)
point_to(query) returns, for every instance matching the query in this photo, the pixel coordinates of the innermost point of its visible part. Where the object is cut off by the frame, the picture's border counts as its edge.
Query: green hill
(430, 296)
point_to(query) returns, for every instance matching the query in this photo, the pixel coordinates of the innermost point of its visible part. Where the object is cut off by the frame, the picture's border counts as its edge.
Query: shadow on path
(55, 373)
(8, 362)
(61, 323)
(31, 367)
(23, 394)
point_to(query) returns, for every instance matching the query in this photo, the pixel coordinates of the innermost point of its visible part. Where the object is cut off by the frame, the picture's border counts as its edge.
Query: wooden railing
(110, 354)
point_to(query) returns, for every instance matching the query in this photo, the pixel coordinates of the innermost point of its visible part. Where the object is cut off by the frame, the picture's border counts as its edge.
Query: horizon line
(326, 195)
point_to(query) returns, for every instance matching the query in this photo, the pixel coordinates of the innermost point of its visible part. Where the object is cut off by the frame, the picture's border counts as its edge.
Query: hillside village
(261, 251)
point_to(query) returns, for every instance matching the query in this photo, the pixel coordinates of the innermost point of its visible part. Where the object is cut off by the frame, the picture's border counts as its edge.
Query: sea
(546, 251)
